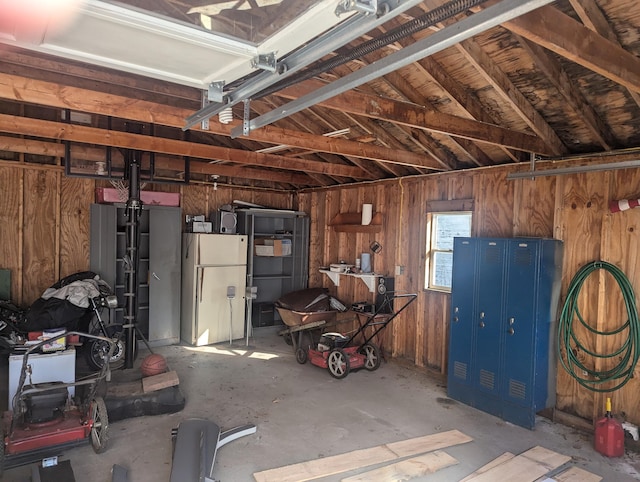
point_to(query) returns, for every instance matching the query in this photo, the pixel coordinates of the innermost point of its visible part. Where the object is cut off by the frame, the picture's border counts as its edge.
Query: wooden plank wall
(45, 220)
(44, 235)
(573, 208)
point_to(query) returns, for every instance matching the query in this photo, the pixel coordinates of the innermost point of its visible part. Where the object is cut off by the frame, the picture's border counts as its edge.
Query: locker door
(488, 316)
(518, 325)
(461, 329)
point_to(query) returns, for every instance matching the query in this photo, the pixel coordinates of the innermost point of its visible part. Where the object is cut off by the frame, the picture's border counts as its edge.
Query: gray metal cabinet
(159, 271)
(274, 276)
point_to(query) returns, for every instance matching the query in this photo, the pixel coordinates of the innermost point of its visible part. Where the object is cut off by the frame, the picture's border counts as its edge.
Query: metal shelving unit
(274, 276)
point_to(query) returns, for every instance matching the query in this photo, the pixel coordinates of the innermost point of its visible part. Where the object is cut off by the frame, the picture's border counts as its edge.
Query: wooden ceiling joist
(64, 97)
(417, 116)
(91, 135)
(55, 149)
(571, 93)
(568, 38)
(594, 19)
(505, 88)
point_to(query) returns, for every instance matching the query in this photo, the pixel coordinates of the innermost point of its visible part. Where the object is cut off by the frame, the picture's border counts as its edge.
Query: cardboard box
(272, 247)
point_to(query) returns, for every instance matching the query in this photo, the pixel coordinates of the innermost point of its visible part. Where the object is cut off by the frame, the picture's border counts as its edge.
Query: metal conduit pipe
(133, 211)
(430, 18)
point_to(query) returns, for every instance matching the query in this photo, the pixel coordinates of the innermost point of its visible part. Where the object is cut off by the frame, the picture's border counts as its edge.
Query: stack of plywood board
(420, 456)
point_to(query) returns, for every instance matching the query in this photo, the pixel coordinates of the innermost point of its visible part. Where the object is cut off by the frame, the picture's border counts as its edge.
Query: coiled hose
(610, 379)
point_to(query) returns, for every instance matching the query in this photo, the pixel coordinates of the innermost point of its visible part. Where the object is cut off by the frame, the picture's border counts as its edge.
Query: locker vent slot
(487, 379)
(517, 389)
(492, 254)
(522, 256)
(460, 370)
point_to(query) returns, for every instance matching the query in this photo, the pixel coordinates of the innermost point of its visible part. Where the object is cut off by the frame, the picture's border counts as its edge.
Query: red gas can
(609, 439)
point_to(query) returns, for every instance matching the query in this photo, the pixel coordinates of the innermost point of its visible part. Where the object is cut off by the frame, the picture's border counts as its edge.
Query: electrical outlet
(231, 292)
(399, 270)
(252, 292)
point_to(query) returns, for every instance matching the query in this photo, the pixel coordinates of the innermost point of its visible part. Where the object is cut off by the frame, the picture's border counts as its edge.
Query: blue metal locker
(519, 328)
(488, 316)
(462, 302)
(513, 286)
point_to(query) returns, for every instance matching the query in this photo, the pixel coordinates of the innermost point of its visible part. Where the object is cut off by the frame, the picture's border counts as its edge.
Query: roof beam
(419, 117)
(568, 38)
(423, 140)
(34, 91)
(571, 93)
(91, 135)
(510, 93)
(400, 85)
(462, 97)
(593, 18)
(464, 29)
(55, 149)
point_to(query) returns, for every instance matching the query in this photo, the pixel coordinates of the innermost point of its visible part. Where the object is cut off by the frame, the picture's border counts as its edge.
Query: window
(442, 227)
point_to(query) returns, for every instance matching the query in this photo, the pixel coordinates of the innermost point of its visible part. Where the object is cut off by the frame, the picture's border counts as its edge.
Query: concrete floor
(302, 413)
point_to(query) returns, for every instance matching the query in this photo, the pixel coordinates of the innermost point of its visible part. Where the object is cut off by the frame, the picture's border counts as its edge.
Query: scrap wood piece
(158, 382)
(575, 474)
(324, 467)
(494, 463)
(407, 469)
(526, 467)
(548, 458)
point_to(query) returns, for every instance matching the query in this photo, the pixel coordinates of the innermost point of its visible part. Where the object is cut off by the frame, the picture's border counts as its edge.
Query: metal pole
(133, 210)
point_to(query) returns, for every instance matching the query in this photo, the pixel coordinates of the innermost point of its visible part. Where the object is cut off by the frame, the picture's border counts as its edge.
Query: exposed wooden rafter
(65, 97)
(56, 149)
(91, 135)
(417, 116)
(593, 18)
(567, 37)
(571, 93)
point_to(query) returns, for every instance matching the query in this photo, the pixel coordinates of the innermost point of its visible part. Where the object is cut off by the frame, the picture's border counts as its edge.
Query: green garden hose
(628, 355)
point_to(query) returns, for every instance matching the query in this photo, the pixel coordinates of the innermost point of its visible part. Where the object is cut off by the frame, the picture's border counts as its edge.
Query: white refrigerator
(214, 276)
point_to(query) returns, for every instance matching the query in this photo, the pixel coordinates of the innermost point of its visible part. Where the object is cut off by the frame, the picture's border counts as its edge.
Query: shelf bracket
(367, 278)
(333, 276)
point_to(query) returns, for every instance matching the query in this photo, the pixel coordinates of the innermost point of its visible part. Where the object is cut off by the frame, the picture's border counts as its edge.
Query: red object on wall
(623, 205)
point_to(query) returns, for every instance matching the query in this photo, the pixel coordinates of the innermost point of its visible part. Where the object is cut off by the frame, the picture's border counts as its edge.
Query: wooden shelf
(370, 279)
(351, 223)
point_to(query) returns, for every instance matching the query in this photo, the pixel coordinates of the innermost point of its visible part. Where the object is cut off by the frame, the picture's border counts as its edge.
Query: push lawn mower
(43, 418)
(336, 352)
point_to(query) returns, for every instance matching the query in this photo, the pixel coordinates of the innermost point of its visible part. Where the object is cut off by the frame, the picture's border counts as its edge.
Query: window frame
(436, 208)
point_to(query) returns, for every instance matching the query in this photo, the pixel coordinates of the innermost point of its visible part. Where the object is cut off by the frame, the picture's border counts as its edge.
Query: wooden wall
(573, 208)
(44, 235)
(44, 221)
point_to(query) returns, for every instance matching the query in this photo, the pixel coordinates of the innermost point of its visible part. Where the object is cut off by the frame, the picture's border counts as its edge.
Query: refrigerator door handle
(199, 287)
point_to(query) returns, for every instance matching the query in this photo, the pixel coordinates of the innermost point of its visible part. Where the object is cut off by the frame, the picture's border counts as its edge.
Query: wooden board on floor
(407, 469)
(495, 462)
(158, 382)
(526, 467)
(314, 469)
(576, 474)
